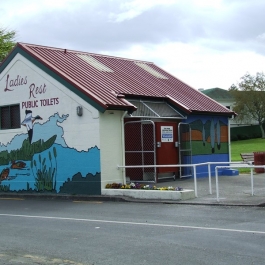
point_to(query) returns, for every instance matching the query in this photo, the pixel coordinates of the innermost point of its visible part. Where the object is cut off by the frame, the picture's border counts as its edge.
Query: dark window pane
(15, 116)
(10, 117)
(5, 119)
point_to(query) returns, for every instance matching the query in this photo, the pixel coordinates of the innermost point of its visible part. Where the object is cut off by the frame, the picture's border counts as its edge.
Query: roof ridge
(81, 52)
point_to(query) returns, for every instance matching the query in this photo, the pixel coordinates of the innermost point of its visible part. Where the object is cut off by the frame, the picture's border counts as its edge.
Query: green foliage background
(245, 132)
(7, 42)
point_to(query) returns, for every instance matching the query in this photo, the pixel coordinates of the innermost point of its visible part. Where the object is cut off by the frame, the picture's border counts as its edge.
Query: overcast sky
(205, 43)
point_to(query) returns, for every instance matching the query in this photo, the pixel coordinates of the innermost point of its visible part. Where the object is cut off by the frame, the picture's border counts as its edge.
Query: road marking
(134, 223)
(88, 201)
(16, 199)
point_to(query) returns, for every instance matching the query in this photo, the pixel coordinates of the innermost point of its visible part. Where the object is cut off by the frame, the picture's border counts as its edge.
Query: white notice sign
(166, 133)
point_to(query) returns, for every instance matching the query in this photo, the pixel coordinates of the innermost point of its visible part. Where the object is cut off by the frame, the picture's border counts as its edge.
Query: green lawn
(246, 146)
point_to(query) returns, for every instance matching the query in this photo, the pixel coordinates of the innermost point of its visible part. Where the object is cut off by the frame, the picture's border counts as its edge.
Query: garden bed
(151, 192)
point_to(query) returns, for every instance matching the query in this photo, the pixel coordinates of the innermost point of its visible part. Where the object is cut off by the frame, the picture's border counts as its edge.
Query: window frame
(14, 119)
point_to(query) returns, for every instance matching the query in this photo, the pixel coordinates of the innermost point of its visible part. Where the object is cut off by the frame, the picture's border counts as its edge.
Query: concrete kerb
(109, 195)
(124, 198)
(47, 196)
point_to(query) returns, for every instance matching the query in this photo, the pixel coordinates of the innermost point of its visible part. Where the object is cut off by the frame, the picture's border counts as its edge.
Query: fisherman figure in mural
(28, 122)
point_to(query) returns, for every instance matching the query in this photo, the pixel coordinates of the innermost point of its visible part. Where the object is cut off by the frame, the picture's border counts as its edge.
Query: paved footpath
(233, 191)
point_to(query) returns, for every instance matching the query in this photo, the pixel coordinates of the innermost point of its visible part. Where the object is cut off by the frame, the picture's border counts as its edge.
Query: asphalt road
(119, 233)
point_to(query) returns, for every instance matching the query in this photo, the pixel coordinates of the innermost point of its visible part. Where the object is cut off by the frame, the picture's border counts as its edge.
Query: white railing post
(252, 182)
(217, 184)
(195, 181)
(210, 180)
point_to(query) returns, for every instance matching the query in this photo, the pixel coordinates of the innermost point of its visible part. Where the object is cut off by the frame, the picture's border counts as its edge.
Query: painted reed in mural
(45, 172)
(4, 187)
(27, 151)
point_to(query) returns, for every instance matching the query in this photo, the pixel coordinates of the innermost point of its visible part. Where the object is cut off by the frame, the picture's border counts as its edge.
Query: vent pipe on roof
(118, 94)
(64, 50)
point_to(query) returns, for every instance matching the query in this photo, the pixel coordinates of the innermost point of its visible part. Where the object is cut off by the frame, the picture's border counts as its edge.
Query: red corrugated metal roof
(125, 77)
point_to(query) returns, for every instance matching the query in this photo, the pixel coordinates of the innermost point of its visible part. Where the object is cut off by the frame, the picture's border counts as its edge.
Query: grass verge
(246, 146)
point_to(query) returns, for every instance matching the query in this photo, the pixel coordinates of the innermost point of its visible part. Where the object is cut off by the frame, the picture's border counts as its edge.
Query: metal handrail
(195, 171)
(246, 166)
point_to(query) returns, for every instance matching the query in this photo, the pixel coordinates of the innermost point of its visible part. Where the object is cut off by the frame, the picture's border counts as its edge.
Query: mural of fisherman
(28, 122)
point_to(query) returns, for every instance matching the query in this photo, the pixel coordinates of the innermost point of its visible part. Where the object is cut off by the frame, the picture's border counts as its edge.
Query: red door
(166, 150)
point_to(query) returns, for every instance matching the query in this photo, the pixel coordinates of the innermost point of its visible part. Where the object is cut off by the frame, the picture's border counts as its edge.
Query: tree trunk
(262, 131)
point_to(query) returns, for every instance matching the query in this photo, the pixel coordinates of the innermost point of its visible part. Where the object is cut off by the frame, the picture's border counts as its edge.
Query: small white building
(68, 118)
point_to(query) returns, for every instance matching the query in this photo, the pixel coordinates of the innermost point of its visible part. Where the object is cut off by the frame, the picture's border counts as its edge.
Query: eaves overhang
(129, 109)
(125, 104)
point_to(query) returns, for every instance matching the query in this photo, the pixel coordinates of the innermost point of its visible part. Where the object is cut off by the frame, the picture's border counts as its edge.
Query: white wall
(27, 84)
(103, 130)
(111, 141)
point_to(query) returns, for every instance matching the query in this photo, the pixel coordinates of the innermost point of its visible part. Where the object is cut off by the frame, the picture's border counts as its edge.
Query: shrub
(243, 137)
(234, 138)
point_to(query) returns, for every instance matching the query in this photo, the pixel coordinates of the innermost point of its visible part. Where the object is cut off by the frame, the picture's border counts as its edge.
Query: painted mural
(41, 161)
(209, 136)
(54, 150)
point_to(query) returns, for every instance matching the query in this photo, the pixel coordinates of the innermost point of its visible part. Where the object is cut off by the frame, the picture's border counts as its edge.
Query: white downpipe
(123, 146)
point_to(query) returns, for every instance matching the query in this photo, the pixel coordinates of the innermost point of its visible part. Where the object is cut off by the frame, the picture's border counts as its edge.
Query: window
(10, 117)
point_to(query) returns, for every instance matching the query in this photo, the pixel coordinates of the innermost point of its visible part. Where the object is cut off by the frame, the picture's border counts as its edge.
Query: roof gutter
(229, 114)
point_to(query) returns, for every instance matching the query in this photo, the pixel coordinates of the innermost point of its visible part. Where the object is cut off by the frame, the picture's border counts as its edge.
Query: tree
(7, 42)
(249, 96)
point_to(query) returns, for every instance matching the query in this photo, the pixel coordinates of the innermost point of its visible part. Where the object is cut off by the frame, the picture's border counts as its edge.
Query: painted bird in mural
(4, 174)
(18, 164)
(28, 122)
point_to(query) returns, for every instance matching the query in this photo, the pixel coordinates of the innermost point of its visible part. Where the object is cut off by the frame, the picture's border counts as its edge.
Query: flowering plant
(140, 186)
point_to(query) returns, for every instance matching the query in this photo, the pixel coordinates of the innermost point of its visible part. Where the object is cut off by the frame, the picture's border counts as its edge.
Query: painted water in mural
(41, 161)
